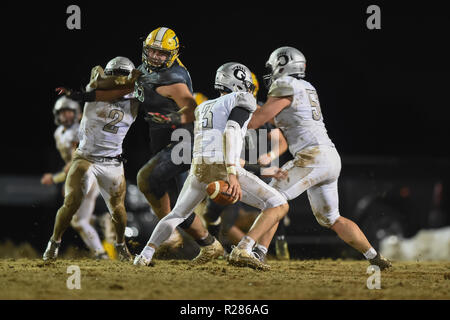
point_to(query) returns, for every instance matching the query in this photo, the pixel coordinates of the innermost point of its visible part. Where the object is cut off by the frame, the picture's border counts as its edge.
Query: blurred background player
(67, 116)
(98, 157)
(294, 105)
(220, 127)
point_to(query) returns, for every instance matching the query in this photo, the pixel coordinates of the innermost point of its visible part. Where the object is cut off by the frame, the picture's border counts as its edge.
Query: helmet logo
(285, 58)
(239, 74)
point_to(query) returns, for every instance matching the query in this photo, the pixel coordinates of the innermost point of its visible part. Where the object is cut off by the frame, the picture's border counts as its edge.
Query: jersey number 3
(207, 116)
(117, 116)
(315, 105)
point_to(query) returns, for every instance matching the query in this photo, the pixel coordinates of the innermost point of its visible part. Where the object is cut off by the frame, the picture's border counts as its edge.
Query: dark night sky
(382, 91)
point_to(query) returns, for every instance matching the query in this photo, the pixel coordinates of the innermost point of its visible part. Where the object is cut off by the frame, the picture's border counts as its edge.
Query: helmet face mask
(234, 77)
(119, 66)
(66, 117)
(154, 57)
(161, 42)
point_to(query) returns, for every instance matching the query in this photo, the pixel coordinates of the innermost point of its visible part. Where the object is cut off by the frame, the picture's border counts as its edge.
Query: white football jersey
(104, 126)
(65, 139)
(301, 122)
(210, 120)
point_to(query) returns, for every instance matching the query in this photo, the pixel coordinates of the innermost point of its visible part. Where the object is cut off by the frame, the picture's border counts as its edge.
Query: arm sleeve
(233, 134)
(240, 115)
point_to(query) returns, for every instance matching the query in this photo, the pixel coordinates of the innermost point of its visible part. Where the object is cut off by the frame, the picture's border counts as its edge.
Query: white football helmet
(119, 66)
(66, 103)
(284, 61)
(234, 77)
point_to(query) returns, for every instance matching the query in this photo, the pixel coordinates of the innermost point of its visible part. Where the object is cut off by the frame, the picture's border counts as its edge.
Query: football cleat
(140, 260)
(258, 254)
(51, 252)
(241, 258)
(123, 253)
(101, 256)
(208, 253)
(381, 262)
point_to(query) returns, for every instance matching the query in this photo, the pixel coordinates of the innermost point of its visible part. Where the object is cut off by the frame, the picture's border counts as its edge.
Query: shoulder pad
(282, 87)
(166, 76)
(245, 100)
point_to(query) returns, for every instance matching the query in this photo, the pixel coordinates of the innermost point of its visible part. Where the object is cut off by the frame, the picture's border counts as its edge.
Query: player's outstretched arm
(94, 95)
(272, 107)
(179, 92)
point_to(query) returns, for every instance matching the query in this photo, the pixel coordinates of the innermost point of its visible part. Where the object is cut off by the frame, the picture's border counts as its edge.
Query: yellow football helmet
(256, 84)
(200, 97)
(165, 41)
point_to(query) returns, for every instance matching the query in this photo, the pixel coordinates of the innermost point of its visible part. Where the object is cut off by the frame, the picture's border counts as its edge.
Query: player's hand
(234, 188)
(47, 179)
(71, 94)
(158, 118)
(172, 119)
(274, 172)
(265, 160)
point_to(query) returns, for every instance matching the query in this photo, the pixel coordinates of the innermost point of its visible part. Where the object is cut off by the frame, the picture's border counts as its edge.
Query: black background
(382, 92)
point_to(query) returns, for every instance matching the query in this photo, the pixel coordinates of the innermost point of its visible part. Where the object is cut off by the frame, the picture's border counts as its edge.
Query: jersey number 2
(117, 116)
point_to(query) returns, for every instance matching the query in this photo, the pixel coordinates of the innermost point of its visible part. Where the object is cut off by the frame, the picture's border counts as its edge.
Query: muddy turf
(25, 278)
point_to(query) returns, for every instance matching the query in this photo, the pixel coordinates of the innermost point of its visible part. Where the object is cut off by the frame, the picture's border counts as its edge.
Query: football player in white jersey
(98, 158)
(220, 126)
(67, 114)
(294, 105)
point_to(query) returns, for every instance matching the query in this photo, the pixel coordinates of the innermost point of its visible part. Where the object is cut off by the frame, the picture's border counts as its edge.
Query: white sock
(261, 248)
(148, 252)
(247, 244)
(370, 254)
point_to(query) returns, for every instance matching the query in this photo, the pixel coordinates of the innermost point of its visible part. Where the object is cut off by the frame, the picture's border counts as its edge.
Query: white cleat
(140, 260)
(51, 252)
(241, 258)
(208, 253)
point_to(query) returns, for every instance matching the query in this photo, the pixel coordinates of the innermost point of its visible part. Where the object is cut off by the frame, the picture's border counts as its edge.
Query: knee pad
(187, 222)
(275, 201)
(327, 220)
(78, 224)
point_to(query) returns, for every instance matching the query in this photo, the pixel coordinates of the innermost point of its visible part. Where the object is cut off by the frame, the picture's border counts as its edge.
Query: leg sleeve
(191, 195)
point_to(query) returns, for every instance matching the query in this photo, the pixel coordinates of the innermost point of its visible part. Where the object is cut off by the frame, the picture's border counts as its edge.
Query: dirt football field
(25, 278)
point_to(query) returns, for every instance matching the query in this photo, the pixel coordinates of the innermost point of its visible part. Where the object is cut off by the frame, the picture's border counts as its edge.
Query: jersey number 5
(315, 105)
(117, 116)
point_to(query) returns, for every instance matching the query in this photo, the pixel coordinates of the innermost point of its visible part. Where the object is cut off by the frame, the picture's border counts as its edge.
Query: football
(217, 192)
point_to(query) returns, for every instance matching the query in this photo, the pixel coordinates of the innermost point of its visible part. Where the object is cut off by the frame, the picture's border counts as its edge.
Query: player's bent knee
(327, 220)
(142, 181)
(79, 224)
(72, 202)
(277, 201)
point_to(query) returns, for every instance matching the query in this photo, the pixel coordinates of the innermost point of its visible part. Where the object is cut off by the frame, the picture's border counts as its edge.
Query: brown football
(217, 192)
